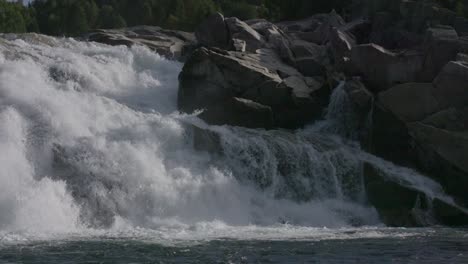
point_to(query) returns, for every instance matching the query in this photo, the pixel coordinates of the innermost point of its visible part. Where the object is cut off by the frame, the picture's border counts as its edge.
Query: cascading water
(91, 137)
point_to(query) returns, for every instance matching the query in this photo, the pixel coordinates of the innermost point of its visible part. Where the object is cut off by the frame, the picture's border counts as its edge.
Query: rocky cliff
(402, 61)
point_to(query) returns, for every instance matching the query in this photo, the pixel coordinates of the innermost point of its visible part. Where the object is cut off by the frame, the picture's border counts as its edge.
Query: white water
(90, 138)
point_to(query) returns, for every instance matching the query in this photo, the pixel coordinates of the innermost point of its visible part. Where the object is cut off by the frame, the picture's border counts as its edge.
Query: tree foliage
(16, 18)
(74, 17)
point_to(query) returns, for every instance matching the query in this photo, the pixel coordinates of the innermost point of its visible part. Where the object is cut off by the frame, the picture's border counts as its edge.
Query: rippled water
(365, 245)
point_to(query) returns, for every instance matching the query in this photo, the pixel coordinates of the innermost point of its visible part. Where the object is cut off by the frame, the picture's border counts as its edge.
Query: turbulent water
(93, 149)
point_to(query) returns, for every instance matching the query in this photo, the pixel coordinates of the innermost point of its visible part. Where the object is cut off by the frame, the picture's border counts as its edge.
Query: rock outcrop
(426, 125)
(400, 204)
(247, 83)
(173, 44)
(382, 68)
(450, 86)
(440, 46)
(213, 32)
(408, 55)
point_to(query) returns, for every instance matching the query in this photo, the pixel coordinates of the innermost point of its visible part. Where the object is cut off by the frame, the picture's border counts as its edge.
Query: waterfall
(91, 138)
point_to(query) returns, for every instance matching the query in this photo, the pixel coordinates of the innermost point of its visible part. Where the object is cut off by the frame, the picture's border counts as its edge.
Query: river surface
(249, 245)
(97, 166)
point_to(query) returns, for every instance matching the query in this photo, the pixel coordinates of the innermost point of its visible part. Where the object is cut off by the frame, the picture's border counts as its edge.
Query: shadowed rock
(213, 32)
(212, 77)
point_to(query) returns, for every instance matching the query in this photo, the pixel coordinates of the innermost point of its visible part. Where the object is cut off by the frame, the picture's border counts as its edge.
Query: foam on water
(91, 140)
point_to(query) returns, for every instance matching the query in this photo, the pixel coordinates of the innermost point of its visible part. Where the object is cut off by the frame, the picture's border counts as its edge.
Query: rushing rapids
(91, 138)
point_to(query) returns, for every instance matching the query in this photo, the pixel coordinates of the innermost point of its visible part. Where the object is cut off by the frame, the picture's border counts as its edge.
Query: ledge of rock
(401, 205)
(173, 44)
(212, 77)
(382, 69)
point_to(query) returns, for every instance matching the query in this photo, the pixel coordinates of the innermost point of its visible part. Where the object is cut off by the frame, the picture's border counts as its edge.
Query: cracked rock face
(213, 77)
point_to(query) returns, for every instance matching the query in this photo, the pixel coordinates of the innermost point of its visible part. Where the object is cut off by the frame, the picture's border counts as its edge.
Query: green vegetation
(459, 6)
(16, 18)
(74, 17)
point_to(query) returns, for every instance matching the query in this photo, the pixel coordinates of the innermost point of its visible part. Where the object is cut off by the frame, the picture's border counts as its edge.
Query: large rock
(451, 85)
(211, 77)
(172, 44)
(240, 112)
(450, 145)
(213, 32)
(315, 29)
(449, 214)
(463, 44)
(310, 59)
(444, 155)
(341, 44)
(322, 32)
(410, 101)
(88, 184)
(390, 137)
(451, 119)
(399, 204)
(305, 25)
(418, 15)
(382, 69)
(204, 139)
(461, 26)
(396, 204)
(462, 57)
(360, 29)
(390, 34)
(441, 45)
(281, 43)
(241, 30)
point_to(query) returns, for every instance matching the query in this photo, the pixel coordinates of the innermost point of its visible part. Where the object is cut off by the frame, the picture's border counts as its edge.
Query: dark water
(399, 246)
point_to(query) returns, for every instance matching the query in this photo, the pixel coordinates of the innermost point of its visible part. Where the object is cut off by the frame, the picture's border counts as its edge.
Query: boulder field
(406, 61)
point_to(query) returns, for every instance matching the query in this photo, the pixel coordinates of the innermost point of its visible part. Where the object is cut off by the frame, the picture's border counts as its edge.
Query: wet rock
(396, 204)
(399, 204)
(359, 95)
(449, 214)
(85, 184)
(205, 139)
(240, 112)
